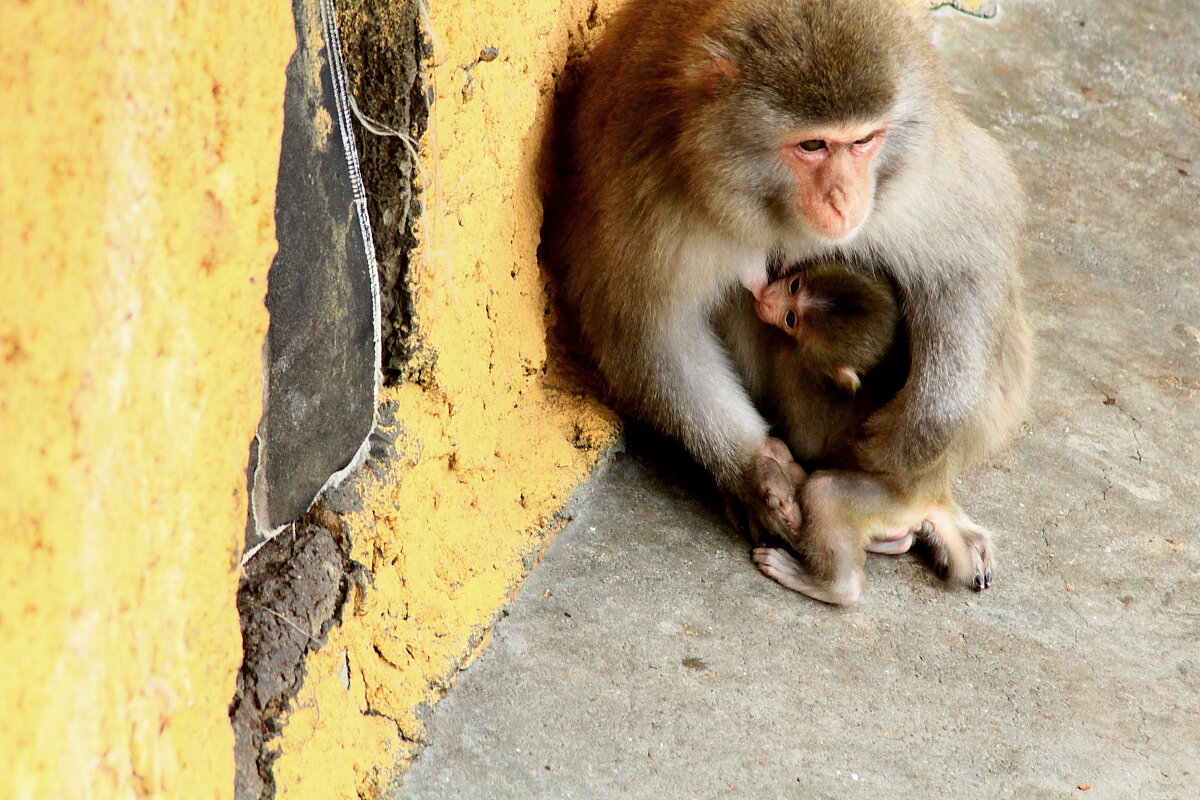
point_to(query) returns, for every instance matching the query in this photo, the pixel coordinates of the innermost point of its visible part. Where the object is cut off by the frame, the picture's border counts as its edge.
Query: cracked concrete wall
(137, 181)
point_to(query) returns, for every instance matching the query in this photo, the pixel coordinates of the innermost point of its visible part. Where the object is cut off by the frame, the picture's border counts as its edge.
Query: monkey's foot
(783, 568)
(961, 551)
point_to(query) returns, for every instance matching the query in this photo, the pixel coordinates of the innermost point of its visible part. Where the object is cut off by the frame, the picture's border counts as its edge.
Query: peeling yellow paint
(137, 183)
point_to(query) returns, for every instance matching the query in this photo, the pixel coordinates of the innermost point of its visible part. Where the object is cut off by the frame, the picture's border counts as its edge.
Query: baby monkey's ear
(845, 377)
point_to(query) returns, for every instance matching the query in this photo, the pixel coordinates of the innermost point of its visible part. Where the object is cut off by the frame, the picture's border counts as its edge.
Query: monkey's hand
(767, 504)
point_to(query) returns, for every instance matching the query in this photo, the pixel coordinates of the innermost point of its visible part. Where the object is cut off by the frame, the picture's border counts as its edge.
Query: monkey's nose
(838, 200)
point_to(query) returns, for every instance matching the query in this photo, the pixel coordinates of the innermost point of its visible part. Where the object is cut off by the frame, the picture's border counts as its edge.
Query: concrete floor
(647, 658)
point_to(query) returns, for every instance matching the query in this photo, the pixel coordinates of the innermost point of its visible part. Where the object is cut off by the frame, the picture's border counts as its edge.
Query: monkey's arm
(951, 321)
(678, 375)
(956, 266)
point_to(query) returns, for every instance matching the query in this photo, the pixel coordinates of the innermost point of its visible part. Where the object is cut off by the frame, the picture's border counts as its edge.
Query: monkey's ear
(713, 69)
(845, 377)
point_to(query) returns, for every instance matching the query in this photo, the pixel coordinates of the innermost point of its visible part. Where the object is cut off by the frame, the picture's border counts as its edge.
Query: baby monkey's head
(843, 322)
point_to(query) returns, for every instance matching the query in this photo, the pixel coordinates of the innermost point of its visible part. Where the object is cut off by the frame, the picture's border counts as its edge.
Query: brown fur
(676, 189)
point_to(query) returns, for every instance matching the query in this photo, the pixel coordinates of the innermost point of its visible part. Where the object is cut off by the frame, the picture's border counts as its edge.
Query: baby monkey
(837, 354)
(843, 323)
(842, 355)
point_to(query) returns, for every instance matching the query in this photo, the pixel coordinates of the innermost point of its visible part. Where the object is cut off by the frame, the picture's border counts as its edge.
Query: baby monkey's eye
(866, 139)
(789, 320)
(794, 286)
(812, 145)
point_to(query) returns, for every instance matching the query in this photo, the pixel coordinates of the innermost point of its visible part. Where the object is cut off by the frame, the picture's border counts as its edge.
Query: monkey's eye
(812, 145)
(794, 286)
(789, 320)
(866, 139)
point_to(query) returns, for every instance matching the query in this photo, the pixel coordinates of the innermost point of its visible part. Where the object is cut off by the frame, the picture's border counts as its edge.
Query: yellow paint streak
(137, 175)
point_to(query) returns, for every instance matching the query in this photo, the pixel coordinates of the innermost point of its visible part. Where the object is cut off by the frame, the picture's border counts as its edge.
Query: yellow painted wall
(491, 448)
(139, 144)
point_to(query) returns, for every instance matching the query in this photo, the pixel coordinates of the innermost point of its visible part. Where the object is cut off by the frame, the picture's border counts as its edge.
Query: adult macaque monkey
(709, 133)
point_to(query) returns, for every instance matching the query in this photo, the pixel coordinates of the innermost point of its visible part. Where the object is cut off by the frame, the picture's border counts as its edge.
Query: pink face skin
(784, 304)
(834, 184)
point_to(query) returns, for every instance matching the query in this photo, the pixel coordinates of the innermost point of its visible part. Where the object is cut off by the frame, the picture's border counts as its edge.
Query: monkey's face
(837, 317)
(785, 304)
(833, 174)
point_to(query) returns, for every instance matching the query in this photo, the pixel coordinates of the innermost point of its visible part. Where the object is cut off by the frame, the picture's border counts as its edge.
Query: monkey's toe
(979, 547)
(982, 581)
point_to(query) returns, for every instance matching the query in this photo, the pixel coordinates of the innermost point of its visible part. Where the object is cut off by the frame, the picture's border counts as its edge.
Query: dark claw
(980, 583)
(987, 579)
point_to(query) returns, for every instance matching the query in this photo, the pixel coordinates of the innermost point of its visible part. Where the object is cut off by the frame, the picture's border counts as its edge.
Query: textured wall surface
(137, 178)
(483, 445)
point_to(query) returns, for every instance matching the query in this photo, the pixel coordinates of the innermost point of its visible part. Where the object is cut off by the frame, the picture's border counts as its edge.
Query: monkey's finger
(773, 484)
(789, 514)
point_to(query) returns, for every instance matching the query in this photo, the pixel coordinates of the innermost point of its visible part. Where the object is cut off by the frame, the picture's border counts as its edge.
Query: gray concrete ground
(647, 658)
